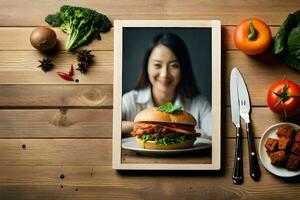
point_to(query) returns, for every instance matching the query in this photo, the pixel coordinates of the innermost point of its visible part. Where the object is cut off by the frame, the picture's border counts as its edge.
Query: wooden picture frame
(119, 159)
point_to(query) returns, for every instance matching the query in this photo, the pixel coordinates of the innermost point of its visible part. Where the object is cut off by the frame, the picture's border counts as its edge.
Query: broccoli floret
(53, 20)
(81, 24)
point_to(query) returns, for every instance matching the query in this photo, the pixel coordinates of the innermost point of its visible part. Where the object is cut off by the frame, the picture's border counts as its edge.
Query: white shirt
(135, 101)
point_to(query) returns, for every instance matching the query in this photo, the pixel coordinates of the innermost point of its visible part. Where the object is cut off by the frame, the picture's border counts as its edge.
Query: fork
(253, 162)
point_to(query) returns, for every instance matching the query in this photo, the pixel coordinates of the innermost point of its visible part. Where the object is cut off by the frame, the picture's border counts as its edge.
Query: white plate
(131, 144)
(271, 133)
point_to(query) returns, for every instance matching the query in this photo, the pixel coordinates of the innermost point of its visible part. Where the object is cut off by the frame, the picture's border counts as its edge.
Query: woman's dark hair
(187, 86)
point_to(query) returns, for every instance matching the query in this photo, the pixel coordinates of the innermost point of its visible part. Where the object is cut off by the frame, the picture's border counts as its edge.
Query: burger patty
(163, 129)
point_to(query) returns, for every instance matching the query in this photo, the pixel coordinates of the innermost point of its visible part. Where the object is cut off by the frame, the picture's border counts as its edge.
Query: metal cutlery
(244, 104)
(237, 174)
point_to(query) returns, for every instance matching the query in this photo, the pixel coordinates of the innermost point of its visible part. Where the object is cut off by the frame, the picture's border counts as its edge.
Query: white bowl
(271, 133)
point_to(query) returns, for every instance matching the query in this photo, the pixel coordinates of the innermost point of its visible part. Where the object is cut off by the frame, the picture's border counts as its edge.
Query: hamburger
(154, 128)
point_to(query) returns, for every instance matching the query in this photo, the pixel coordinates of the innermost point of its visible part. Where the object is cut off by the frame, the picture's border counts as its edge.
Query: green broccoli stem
(76, 39)
(73, 35)
(70, 42)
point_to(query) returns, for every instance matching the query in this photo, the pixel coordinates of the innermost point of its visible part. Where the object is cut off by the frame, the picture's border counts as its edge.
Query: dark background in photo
(197, 40)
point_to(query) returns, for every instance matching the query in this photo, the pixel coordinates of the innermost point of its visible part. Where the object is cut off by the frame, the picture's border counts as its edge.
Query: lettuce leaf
(279, 43)
(177, 139)
(165, 140)
(287, 41)
(294, 42)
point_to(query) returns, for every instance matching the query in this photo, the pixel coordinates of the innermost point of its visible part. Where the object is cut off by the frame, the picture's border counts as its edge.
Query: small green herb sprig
(169, 108)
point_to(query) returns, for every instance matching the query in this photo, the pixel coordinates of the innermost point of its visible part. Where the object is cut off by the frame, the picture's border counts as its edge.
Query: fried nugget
(271, 144)
(284, 143)
(297, 136)
(293, 163)
(278, 158)
(296, 148)
(286, 131)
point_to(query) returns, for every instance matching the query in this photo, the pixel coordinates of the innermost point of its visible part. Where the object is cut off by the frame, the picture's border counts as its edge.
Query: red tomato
(284, 98)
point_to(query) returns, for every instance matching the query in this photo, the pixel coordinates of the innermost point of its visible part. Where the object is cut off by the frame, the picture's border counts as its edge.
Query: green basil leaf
(169, 108)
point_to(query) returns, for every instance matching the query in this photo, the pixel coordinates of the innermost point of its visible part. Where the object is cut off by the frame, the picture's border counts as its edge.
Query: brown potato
(43, 38)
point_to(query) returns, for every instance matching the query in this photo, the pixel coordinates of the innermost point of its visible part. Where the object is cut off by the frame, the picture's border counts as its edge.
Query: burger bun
(153, 115)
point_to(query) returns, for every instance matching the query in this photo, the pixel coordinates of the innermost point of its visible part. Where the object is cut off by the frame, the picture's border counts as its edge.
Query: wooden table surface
(56, 136)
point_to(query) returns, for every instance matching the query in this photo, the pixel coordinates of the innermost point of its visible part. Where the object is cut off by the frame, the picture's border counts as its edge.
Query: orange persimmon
(252, 36)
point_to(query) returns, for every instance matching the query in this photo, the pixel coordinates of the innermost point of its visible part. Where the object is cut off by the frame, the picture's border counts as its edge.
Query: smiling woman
(166, 76)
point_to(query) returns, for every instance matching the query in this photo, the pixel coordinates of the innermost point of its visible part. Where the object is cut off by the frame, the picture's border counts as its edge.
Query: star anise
(46, 64)
(84, 58)
(83, 67)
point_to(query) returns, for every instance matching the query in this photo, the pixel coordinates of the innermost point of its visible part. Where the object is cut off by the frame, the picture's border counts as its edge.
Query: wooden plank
(90, 176)
(207, 191)
(230, 13)
(45, 123)
(192, 189)
(20, 67)
(83, 180)
(67, 153)
(82, 152)
(259, 72)
(73, 123)
(12, 12)
(56, 95)
(67, 192)
(34, 182)
(168, 187)
(261, 119)
(11, 40)
(76, 152)
(105, 176)
(29, 60)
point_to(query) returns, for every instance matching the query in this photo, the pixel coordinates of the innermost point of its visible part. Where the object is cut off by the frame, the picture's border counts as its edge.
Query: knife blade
(245, 107)
(237, 174)
(234, 98)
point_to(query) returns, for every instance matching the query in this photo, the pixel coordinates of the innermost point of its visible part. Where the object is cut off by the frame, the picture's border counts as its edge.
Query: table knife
(237, 174)
(244, 103)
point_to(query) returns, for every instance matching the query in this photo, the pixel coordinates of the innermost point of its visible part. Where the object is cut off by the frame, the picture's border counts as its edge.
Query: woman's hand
(127, 127)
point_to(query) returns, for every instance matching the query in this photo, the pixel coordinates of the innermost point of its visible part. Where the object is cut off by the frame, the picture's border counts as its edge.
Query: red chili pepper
(71, 71)
(65, 76)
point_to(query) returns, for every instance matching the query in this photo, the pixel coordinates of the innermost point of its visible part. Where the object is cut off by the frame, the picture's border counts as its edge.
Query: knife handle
(253, 161)
(237, 175)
